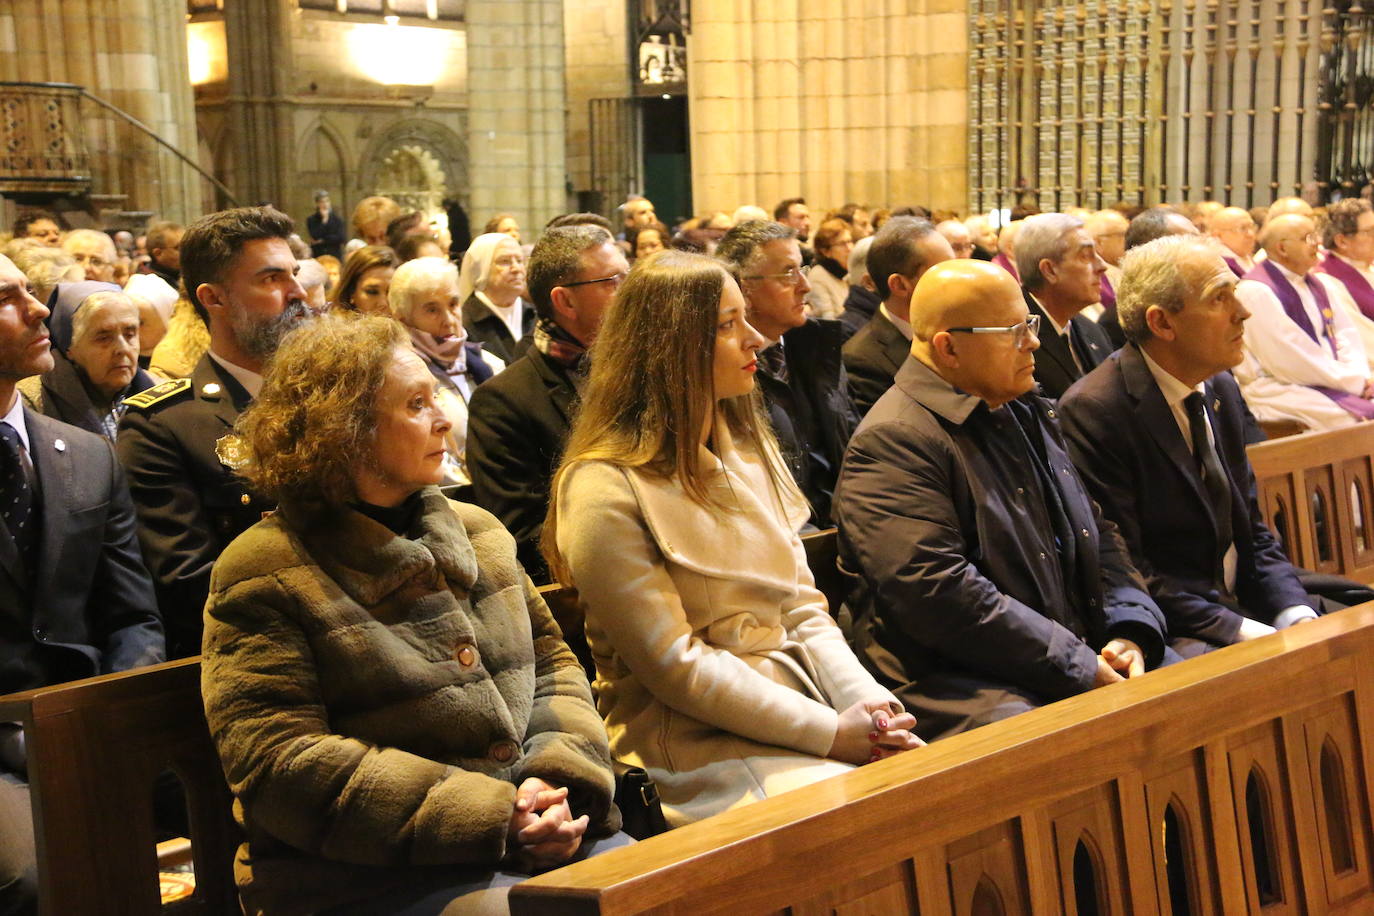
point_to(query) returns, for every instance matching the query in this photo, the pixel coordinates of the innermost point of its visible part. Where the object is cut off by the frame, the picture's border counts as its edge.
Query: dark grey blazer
(88, 608)
(1054, 366)
(871, 359)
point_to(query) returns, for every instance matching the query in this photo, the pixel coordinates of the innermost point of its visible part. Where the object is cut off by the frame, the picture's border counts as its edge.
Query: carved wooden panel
(891, 890)
(1260, 795)
(1278, 496)
(1319, 494)
(987, 874)
(1334, 766)
(1089, 860)
(1179, 830)
(1357, 492)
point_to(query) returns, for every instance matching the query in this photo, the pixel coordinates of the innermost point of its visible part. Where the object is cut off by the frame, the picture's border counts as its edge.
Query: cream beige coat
(719, 668)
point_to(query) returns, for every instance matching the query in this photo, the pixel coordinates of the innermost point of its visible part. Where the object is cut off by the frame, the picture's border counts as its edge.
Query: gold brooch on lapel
(232, 452)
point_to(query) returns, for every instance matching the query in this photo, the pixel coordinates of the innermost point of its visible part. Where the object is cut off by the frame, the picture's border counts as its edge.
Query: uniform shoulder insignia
(159, 393)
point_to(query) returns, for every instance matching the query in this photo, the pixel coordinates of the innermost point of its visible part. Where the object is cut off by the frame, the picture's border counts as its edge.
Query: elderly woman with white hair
(94, 333)
(490, 289)
(424, 297)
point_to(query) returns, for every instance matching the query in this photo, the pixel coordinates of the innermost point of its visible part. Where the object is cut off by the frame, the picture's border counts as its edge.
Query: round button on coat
(502, 752)
(466, 655)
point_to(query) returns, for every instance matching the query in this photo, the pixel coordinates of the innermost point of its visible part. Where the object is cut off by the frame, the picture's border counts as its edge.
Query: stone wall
(133, 56)
(598, 68)
(865, 101)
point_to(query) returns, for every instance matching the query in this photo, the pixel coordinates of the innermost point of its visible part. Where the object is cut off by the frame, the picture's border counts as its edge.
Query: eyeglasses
(614, 279)
(1019, 331)
(790, 277)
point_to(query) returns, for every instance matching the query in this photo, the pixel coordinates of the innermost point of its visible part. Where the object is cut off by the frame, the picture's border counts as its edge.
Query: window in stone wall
(1077, 102)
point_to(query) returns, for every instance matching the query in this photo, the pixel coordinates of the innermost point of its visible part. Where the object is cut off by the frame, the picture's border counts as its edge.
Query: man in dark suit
(1158, 433)
(800, 372)
(75, 600)
(989, 583)
(518, 421)
(176, 439)
(904, 249)
(326, 228)
(1061, 274)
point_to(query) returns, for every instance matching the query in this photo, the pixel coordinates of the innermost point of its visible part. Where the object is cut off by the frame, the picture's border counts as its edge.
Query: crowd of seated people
(339, 479)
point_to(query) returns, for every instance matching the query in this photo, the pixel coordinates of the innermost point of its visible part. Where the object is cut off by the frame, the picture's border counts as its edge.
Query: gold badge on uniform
(232, 452)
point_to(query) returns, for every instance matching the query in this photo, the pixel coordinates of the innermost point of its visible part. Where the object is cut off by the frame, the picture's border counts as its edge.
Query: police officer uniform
(177, 446)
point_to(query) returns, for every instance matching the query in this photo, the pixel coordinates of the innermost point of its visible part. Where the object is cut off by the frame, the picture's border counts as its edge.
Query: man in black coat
(519, 420)
(989, 582)
(75, 600)
(326, 228)
(176, 439)
(903, 250)
(1061, 274)
(800, 372)
(1158, 433)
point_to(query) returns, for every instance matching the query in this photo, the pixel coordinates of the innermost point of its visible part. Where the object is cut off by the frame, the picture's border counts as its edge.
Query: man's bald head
(1006, 239)
(997, 361)
(1291, 240)
(1108, 231)
(1287, 205)
(1235, 229)
(962, 293)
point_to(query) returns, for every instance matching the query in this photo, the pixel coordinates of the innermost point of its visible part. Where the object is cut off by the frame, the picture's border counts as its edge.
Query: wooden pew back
(1316, 490)
(1234, 782)
(96, 748)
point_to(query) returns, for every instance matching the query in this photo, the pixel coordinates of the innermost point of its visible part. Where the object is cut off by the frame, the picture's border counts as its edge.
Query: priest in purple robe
(1349, 240)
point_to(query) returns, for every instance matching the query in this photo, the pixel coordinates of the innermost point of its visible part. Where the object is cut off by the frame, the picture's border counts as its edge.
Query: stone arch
(439, 154)
(321, 163)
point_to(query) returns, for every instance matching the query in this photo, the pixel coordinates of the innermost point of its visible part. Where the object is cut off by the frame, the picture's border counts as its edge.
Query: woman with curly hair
(401, 724)
(718, 666)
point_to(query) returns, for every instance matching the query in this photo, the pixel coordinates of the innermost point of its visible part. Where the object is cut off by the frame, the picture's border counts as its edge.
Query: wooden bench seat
(1238, 782)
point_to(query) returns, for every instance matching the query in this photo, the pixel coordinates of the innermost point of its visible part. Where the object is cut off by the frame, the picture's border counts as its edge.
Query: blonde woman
(719, 667)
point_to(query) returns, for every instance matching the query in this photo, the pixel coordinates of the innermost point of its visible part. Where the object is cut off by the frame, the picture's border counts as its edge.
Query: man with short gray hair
(518, 421)
(903, 250)
(1158, 434)
(1061, 274)
(800, 372)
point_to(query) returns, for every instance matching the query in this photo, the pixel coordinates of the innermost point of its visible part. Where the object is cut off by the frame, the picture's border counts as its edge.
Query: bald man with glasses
(989, 582)
(804, 384)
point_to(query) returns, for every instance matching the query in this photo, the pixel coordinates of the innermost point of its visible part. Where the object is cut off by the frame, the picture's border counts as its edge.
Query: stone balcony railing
(42, 140)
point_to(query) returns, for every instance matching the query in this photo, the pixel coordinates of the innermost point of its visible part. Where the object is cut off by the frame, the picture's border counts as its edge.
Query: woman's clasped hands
(543, 832)
(871, 730)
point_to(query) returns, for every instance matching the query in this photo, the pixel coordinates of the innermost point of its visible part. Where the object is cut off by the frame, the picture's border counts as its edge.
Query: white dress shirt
(900, 324)
(1175, 392)
(250, 380)
(1062, 331)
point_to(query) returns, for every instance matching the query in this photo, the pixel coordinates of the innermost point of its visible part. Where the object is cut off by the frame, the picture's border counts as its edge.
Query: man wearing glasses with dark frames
(800, 374)
(518, 420)
(988, 581)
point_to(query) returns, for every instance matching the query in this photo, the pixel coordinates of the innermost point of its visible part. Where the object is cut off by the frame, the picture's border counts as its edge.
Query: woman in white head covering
(491, 287)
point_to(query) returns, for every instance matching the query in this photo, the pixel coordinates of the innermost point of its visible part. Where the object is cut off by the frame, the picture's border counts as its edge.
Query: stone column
(258, 41)
(863, 101)
(516, 110)
(134, 58)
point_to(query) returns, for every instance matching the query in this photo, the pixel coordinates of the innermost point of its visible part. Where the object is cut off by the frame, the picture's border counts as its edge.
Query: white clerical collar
(15, 418)
(250, 380)
(900, 324)
(1174, 391)
(1291, 277)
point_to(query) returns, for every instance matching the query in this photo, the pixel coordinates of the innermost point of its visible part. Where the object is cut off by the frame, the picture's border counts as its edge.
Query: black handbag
(636, 796)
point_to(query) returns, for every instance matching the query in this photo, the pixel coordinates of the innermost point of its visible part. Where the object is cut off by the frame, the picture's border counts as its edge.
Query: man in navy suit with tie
(1157, 433)
(75, 600)
(1061, 274)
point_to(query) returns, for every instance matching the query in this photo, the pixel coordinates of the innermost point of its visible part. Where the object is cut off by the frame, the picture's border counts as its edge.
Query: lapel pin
(59, 444)
(1216, 404)
(211, 388)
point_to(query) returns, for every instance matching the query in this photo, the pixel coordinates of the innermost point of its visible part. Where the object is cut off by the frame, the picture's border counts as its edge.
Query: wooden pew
(1238, 782)
(96, 748)
(1316, 490)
